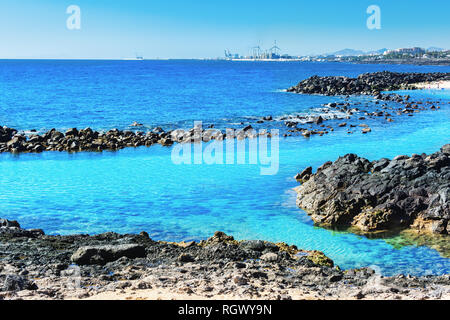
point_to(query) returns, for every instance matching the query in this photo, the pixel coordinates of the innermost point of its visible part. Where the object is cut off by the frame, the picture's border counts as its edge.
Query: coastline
(417, 62)
(134, 267)
(366, 83)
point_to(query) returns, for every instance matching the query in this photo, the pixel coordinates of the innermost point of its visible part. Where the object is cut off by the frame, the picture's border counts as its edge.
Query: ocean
(141, 189)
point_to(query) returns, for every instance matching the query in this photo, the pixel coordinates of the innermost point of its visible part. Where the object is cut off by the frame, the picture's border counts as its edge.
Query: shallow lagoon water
(141, 189)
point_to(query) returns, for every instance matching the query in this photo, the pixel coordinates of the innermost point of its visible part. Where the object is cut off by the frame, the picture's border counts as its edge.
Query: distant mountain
(347, 52)
(352, 52)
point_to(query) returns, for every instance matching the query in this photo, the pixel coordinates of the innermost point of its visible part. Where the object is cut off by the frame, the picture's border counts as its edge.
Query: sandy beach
(434, 85)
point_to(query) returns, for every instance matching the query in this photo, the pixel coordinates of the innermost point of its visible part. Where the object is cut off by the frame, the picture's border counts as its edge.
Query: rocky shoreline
(416, 62)
(74, 140)
(365, 84)
(405, 192)
(113, 266)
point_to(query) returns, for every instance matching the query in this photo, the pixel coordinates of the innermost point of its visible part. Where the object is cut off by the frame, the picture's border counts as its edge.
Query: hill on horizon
(352, 52)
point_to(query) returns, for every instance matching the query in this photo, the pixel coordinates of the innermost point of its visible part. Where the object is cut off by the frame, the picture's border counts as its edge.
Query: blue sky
(204, 28)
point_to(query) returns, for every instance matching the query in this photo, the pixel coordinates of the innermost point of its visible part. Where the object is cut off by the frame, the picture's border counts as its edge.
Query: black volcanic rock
(367, 83)
(104, 254)
(41, 267)
(380, 195)
(75, 140)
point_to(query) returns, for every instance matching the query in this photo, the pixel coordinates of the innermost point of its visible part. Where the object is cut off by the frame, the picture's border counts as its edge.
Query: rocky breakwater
(78, 140)
(38, 266)
(365, 84)
(405, 192)
(74, 140)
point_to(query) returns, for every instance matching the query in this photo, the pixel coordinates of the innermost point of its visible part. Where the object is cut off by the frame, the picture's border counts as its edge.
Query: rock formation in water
(74, 140)
(380, 195)
(367, 83)
(78, 140)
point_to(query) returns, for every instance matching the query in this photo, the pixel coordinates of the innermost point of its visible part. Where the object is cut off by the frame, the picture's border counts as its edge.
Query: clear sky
(204, 28)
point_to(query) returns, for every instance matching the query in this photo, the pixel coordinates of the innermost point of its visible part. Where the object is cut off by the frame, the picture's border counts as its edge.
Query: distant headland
(415, 55)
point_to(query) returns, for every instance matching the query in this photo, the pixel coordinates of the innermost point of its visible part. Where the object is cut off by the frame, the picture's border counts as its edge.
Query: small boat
(139, 57)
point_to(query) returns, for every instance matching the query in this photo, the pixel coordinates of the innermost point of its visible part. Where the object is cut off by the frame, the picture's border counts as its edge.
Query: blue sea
(141, 189)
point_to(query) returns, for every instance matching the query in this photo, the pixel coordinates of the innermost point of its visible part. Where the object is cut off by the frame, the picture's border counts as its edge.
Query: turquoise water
(141, 189)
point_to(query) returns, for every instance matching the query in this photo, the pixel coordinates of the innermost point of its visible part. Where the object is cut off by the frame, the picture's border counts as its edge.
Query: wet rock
(72, 132)
(114, 139)
(318, 120)
(367, 84)
(306, 133)
(380, 195)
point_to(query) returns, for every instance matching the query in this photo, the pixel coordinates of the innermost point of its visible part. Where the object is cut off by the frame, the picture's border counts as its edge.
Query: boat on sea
(138, 57)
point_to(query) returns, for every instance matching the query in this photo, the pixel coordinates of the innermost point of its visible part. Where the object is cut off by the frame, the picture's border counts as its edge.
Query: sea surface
(139, 189)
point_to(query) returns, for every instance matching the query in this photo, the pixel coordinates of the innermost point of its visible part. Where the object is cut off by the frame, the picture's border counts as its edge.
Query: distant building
(411, 51)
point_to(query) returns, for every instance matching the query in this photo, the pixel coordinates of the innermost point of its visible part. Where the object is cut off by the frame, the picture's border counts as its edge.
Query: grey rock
(254, 245)
(269, 257)
(379, 195)
(17, 283)
(185, 257)
(104, 254)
